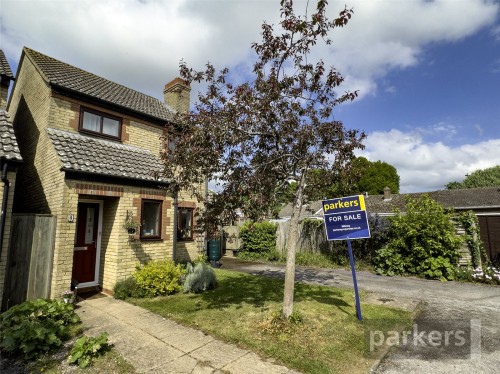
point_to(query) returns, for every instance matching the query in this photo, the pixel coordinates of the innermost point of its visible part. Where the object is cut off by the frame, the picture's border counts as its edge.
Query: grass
(324, 337)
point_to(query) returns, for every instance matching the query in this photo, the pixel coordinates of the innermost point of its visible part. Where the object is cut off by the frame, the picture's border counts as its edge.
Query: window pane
(185, 223)
(110, 126)
(91, 122)
(151, 219)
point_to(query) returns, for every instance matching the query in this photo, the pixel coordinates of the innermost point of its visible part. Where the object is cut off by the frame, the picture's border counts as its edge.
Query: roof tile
(72, 78)
(81, 153)
(4, 66)
(8, 143)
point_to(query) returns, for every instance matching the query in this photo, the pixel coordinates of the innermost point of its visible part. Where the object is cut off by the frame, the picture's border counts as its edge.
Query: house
(91, 150)
(484, 202)
(10, 158)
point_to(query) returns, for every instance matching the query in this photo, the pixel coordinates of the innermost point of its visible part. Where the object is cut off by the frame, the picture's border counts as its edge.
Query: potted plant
(131, 226)
(68, 296)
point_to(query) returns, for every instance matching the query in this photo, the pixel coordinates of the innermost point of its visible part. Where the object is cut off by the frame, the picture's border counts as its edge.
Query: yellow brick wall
(11, 176)
(39, 177)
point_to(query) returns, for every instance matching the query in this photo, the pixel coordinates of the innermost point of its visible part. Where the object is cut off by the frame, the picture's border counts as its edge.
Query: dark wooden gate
(490, 235)
(29, 262)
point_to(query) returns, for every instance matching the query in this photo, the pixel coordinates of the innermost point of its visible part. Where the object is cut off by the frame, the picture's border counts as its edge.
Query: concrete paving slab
(218, 354)
(253, 364)
(97, 320)
(183, 338)
(113, 331)
(152, 355)
(181, 365)
(133, 340)
(149, 322)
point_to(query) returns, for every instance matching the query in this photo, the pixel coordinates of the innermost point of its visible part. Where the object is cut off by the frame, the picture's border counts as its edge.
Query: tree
(489, 177)
(375, 176)
(277, 125)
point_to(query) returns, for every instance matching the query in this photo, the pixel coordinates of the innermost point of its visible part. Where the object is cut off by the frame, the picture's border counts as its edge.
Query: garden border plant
(422, 241)
(37, 326)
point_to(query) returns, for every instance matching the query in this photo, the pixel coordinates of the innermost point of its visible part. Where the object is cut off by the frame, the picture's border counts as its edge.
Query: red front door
(85, 252)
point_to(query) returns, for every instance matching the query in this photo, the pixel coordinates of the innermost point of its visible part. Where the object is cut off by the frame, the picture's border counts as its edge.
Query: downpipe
(5, 196)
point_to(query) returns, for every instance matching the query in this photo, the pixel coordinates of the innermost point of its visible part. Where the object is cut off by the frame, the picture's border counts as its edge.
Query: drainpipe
(175, 191)
(4, 204)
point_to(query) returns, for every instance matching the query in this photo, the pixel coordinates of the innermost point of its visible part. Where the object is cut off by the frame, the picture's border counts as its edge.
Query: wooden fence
(31, 251)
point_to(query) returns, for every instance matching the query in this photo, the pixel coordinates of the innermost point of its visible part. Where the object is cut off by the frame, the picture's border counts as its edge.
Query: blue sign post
(345, 219)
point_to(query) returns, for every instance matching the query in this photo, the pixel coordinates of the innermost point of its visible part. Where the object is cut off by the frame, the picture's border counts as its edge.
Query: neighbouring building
(484, 202)
(91, 150)
(10, 158)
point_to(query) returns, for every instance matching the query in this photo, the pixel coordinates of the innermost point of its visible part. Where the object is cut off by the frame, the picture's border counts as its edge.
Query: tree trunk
(291, 244)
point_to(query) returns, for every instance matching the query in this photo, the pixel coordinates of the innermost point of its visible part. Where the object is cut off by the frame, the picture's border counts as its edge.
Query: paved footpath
(153, 344)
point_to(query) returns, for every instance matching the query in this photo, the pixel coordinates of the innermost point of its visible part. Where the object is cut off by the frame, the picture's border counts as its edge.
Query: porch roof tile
(9, 149)
(85, 154)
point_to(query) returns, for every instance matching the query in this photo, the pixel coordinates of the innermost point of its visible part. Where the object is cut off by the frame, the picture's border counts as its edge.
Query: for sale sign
(346, 218)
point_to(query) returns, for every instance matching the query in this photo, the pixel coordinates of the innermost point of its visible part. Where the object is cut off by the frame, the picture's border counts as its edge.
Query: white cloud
(429, 166)
(479, 129)
(391, 89)
(140, 43)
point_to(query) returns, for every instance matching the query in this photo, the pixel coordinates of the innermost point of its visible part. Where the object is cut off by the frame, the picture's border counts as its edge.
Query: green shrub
(36, 326)
(422, 242)
(127, 288)
(199, 278)
(258, 237)
(472, 237)
(158, 278)
(86, 349)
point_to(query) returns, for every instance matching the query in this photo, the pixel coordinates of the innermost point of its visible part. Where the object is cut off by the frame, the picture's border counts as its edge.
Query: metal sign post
(354, 280)
(345, 219)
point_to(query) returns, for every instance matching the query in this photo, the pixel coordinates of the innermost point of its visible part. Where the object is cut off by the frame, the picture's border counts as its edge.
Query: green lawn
(244, 309)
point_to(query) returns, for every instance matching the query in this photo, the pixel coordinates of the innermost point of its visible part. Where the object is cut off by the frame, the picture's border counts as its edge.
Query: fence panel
(30, 258)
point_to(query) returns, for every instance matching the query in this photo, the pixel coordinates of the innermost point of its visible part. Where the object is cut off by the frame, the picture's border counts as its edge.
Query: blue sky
(428, 72)
(456, 88)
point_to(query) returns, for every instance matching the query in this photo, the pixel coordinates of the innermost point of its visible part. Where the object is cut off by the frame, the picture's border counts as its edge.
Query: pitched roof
(4, 66)
(467, 198)
(308, 210)
(85, 154)
(60, 74)
(8, 143)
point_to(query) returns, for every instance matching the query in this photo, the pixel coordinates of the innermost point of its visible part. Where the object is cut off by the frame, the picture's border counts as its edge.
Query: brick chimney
(176, 95)
(387, 193)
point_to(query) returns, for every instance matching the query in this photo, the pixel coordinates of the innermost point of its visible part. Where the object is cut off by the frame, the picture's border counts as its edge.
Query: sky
(427, 72)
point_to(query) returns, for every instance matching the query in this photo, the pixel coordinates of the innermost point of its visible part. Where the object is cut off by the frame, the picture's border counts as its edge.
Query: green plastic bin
(213, 250)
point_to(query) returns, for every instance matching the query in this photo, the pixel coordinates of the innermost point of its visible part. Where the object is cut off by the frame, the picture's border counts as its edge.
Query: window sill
(100, 135)
(146, 239)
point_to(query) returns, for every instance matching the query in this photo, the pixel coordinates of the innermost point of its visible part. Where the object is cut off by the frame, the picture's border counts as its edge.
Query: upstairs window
(100, 123)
